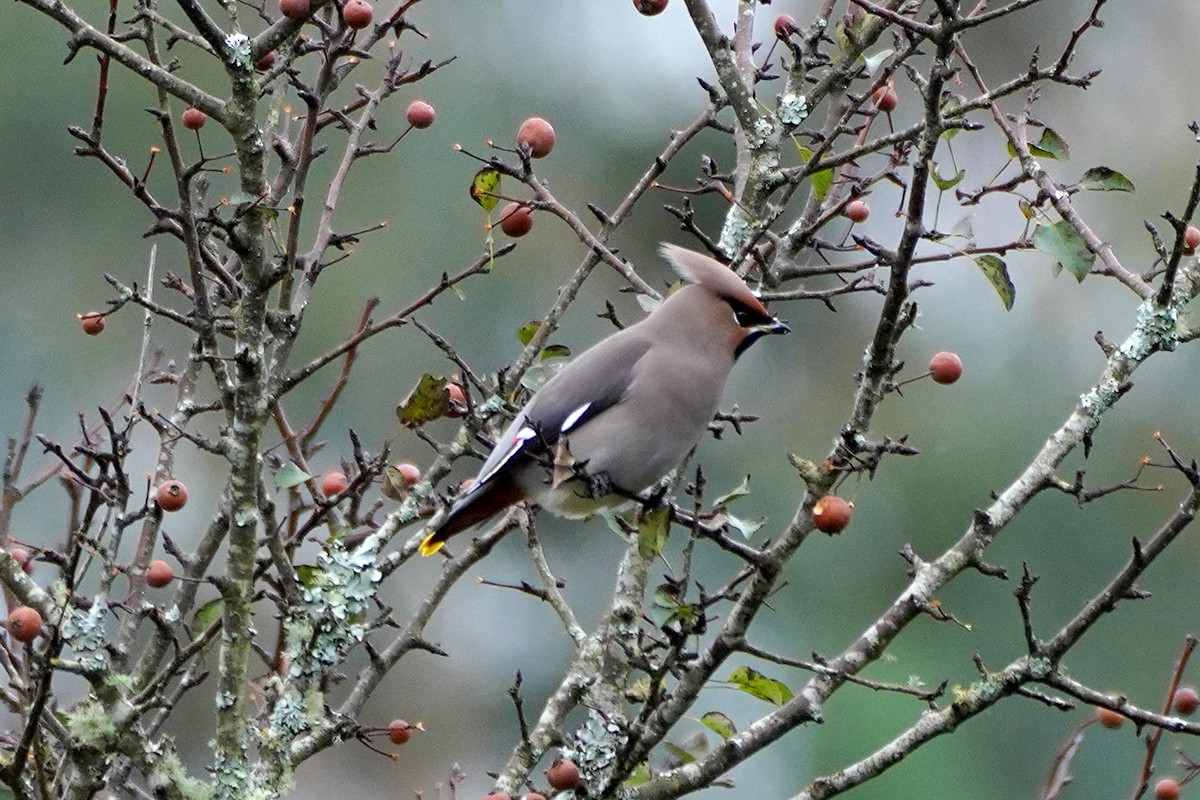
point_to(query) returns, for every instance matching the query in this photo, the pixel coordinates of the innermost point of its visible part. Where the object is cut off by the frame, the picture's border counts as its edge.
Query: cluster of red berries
(537, 135)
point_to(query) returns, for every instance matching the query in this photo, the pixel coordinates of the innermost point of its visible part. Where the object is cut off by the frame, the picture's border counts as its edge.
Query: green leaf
(652, 531)
(741, 490)
(719, 724)
(821, 181)
(1051, 145)
(555, 351)
(950, 103)
(964, 228)
(1103, 179)
(754, 683)
(290, 475)
(207, 614)
(485, 188)
(996, 271)
(1054, 145)
(536, 376)
(527, 331)
(426, 402)
(872, 62)
(1064, 244)
(639, 776)
(681, 755)
(746, 527)
(946, 183)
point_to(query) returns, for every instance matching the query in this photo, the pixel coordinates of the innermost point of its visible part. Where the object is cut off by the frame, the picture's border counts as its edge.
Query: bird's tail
(474, 507)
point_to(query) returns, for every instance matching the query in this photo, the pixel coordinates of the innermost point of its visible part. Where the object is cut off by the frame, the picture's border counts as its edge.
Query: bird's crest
(698, 268)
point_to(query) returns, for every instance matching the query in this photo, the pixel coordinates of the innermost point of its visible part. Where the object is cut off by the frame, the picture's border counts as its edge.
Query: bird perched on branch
(624, 412)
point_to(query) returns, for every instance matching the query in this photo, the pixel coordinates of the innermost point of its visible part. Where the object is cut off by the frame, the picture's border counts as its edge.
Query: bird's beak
(775, 326)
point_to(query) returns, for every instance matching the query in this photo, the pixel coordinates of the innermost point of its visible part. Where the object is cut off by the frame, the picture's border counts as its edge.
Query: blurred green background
(614, 84)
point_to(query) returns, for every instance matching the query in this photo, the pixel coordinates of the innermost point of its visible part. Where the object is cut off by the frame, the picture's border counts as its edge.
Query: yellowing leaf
(821, 181)
(208, 613)
(1103, 179)
(485, 188)
(719, 724)
(1051, 145)
(996, 271)
(754, 683)
(426, 402)
(945, 183)
(652, 531)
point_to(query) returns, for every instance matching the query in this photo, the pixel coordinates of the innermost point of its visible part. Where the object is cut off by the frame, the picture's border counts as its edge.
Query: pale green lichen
(763, 130)
(84, 630)
(595, 746)
(793, 109)
(1157, 329)
(238, 45)
(737, 229)
(91, 725)
(1094, 403)
(230, 775)
(168, 771)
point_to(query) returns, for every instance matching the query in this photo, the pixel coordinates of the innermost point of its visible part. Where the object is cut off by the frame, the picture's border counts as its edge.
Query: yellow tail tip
(430, 545)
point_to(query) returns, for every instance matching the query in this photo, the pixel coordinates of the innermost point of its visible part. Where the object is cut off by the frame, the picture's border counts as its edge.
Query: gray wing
(596, 380)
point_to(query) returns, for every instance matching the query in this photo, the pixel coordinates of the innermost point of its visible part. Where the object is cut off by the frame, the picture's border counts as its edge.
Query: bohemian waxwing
(626, 411)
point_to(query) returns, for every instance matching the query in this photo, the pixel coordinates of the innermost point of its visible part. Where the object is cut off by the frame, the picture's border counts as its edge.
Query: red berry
(538, 134)
(857, 211)
(785, 26)
(22, 557)
(92, 322)
(1167, 789)
(456, 400)
(399, 731)
(159, 574)
(24, 624)
(266, 62)
(945, 367)
(534, 796)
(420, 114)
(563, 775)
(1191, 239)
(193, 118)
(398, 479)
(1187, 700)
(516, 219)
(1109, 718)
(884, 98)
(650, 8)
(831, 514)
(496, 796)
(171, 495)
(294, 9)
(357, 13)
(334, 483)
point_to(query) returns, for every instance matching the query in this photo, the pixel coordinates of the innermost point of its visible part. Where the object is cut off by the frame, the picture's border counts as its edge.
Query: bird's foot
(598, 484)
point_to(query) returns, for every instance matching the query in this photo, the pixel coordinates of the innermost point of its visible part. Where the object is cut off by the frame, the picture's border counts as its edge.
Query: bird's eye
(746, 318)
